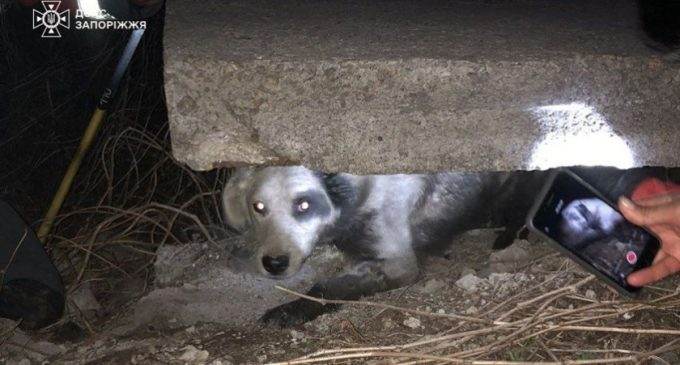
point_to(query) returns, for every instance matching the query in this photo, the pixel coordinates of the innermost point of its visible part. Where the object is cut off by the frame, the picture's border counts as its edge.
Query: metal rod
(90, 134)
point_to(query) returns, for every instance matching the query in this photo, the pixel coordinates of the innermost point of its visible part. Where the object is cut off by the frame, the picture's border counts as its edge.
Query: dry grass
(535, 326)
(130, 199)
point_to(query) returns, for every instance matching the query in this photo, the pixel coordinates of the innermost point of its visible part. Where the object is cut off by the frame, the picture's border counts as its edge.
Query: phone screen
(583, 222)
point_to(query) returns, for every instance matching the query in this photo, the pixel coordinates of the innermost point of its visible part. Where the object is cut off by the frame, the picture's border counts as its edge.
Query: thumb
(662, 268)
(647, 215)
(631, 211)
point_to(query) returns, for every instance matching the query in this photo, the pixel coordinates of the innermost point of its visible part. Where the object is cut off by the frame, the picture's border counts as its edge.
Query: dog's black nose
(275, 265)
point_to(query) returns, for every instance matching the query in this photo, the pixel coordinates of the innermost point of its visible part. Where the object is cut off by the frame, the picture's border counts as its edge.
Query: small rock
(137, 359)
(388, 324)
(193, 355)
(83, 298)
(412, 322)
(590, 294)
(504, 278)
(471, 310)
(297, 335)
(509, 259)
(506, 283)
(225, 361)
(470, 282)
(432, 286)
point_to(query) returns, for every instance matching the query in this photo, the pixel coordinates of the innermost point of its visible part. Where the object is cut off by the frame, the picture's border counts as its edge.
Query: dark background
(48, 91)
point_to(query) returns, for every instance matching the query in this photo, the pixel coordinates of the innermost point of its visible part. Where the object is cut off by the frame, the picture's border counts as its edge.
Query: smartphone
(582, 223)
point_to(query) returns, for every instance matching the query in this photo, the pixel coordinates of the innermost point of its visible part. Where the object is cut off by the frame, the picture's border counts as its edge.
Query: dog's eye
(259, 207)
(303, 206)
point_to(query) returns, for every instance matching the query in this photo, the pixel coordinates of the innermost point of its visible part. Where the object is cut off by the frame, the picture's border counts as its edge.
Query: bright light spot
(576, 134)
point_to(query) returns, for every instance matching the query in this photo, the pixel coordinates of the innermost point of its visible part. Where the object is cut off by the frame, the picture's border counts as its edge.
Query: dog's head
(284, 211)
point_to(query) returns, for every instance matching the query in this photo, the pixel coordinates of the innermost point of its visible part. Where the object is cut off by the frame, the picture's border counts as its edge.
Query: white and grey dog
(378, 221)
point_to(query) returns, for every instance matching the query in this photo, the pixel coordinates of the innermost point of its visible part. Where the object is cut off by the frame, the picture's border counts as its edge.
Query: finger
(651, 215)
(654, 273)
(657, 200)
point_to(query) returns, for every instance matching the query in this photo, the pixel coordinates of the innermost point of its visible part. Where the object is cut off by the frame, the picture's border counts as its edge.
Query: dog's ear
(338, 188)
(234, 198)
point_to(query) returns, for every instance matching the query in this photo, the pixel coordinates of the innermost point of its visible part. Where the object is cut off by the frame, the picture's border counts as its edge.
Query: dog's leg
(505, 238)
(365, 278)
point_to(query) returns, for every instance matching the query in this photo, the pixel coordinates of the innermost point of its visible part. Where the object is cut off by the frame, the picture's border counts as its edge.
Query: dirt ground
(524, 304)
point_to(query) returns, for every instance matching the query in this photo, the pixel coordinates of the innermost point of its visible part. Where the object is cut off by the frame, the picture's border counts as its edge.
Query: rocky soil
(202, 309)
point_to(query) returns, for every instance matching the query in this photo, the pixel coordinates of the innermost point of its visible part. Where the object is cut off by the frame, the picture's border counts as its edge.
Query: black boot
(31, 290)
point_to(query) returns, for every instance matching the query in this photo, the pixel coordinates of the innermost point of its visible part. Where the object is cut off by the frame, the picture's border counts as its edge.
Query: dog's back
(453, 203)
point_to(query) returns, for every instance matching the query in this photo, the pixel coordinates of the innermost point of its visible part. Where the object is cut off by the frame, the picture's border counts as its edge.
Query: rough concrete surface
(199, 283)
(410, 86)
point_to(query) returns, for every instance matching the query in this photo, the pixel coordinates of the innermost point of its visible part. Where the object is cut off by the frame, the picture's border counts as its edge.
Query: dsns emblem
(51, 19)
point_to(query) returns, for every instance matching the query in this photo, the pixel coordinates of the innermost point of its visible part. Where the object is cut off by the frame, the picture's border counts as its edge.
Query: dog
(380, 222)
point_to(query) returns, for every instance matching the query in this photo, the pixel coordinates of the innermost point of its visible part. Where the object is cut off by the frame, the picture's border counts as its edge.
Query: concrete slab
(412, 86)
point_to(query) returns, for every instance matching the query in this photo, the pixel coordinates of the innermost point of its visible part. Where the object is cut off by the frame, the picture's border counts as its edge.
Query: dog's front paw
(294, 313)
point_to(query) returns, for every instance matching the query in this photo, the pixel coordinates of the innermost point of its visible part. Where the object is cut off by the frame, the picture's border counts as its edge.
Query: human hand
(661, 216)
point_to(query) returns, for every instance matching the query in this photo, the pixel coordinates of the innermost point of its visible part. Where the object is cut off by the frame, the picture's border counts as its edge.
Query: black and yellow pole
(89, 135)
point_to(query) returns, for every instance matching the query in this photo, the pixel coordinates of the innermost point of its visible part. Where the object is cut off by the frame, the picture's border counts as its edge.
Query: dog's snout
(275, 265)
